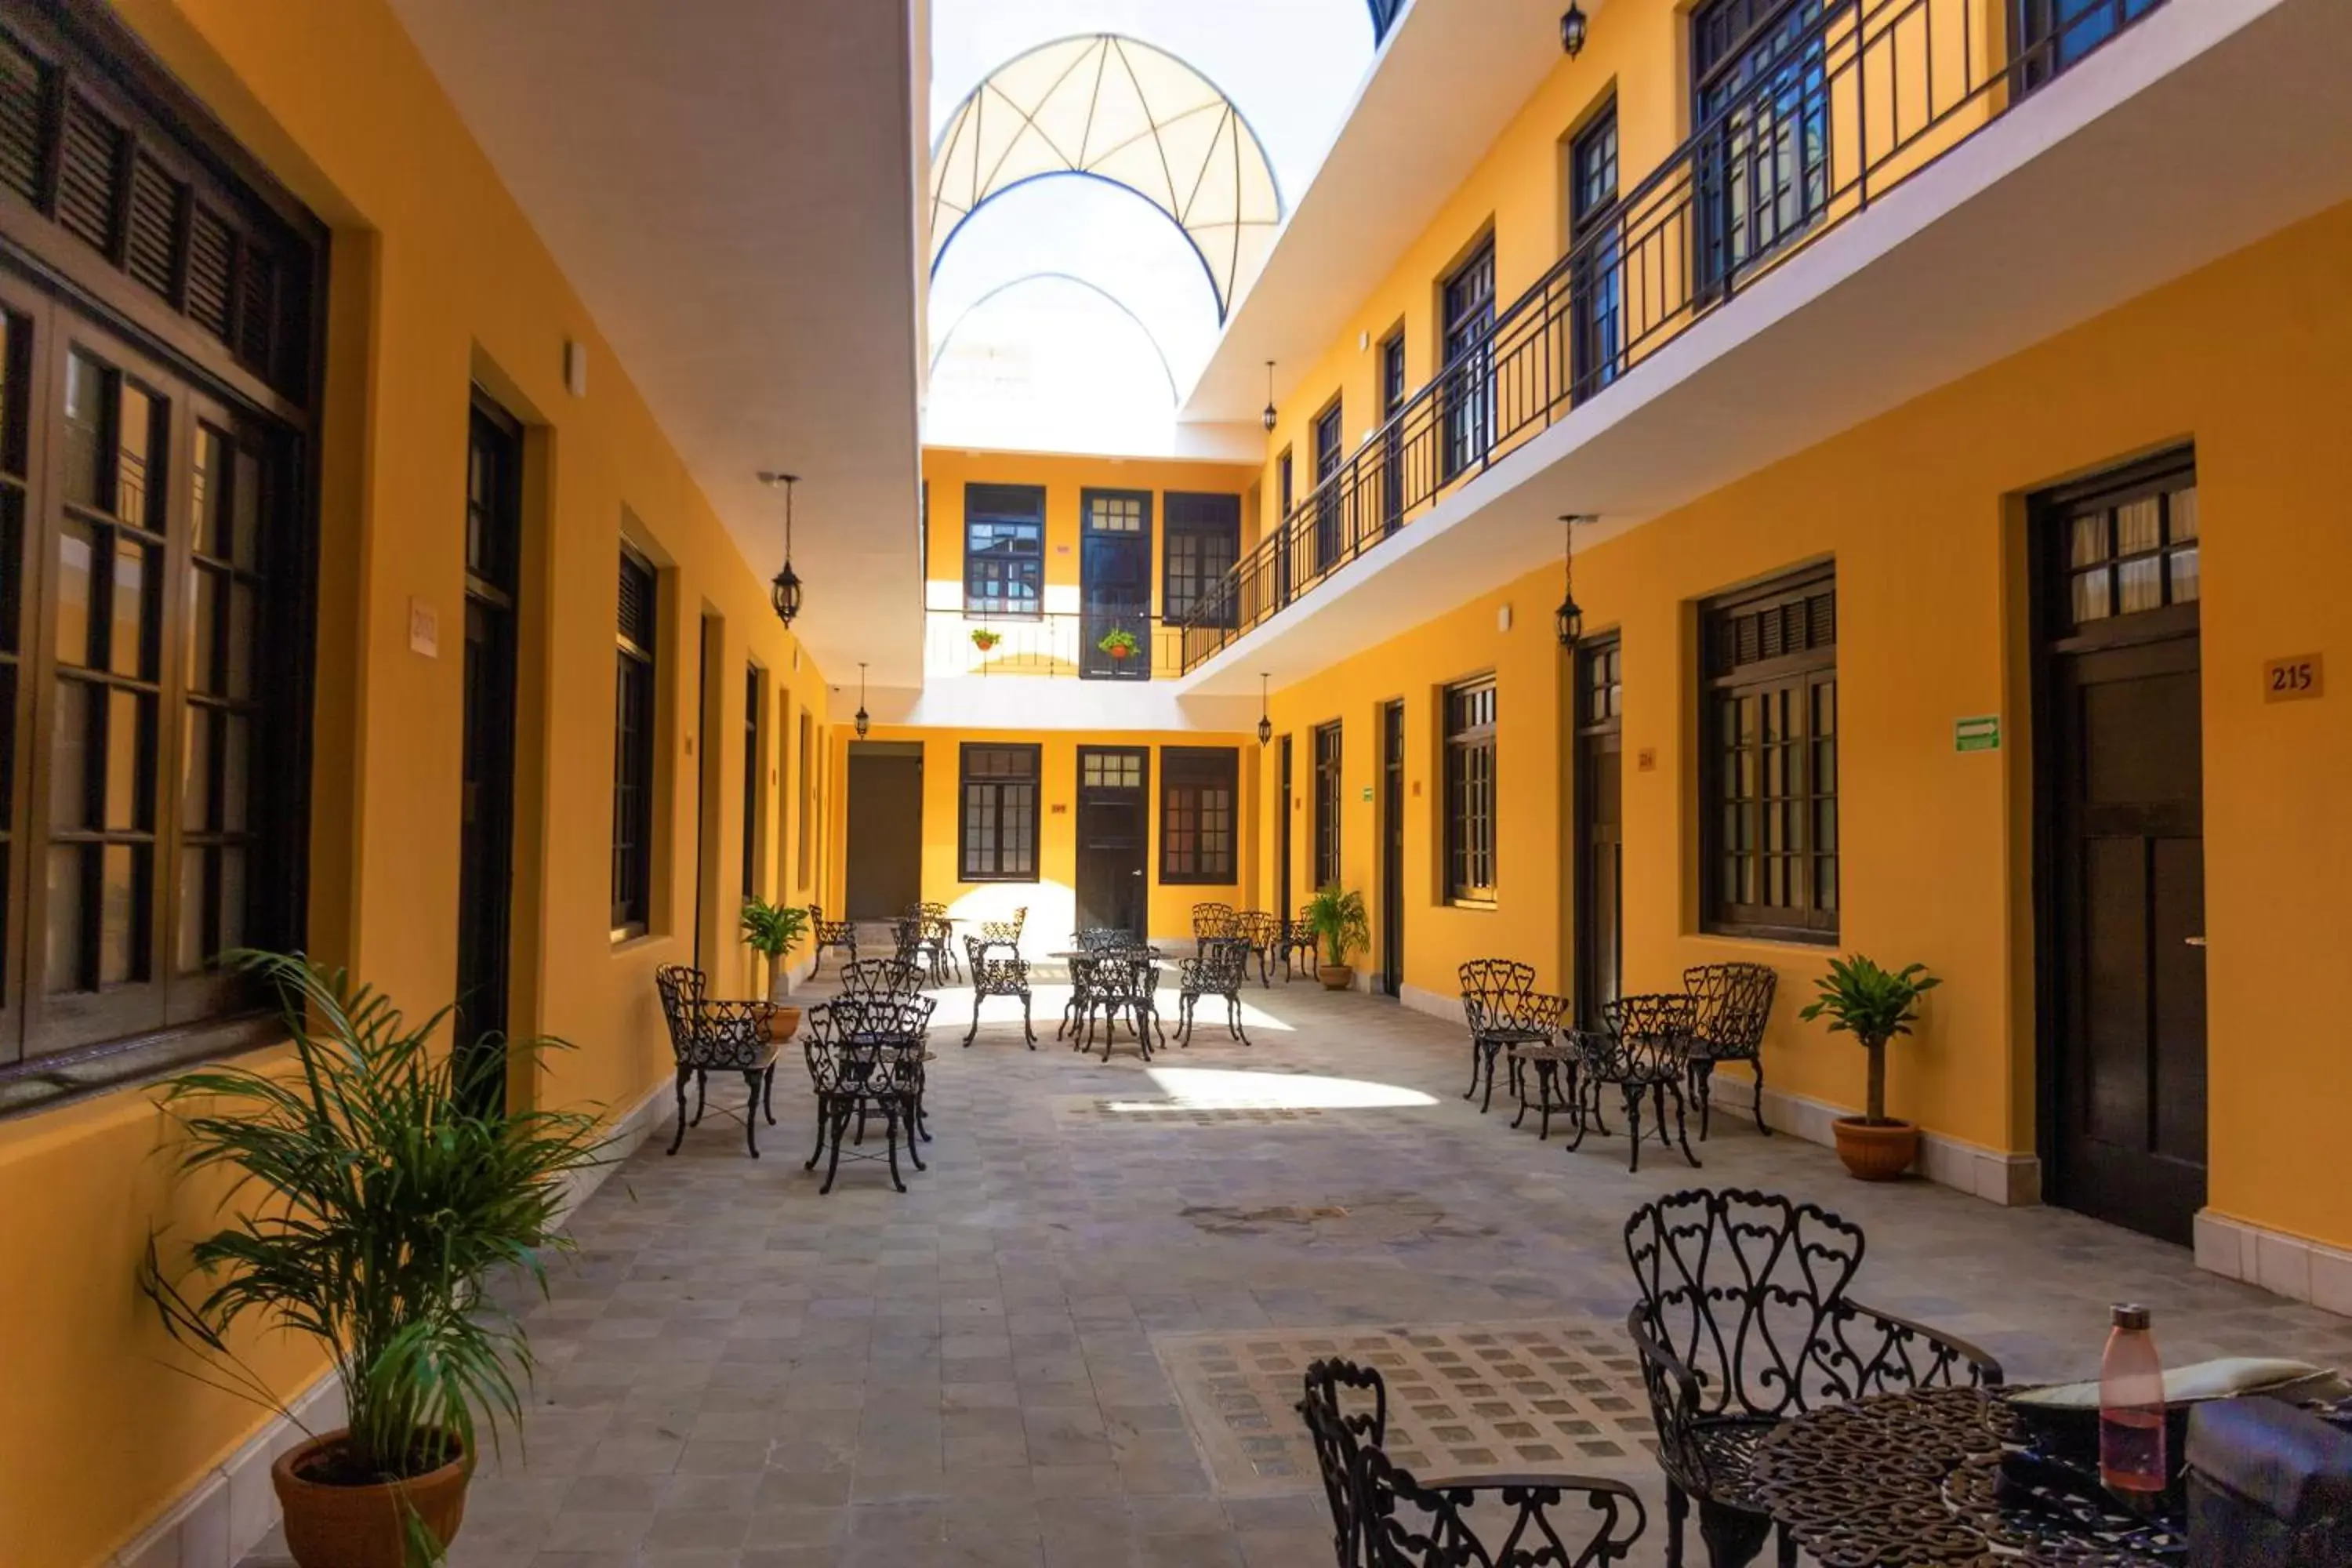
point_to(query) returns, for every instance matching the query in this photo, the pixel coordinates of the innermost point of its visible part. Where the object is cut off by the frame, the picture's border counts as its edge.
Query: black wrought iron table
(1913, 1481)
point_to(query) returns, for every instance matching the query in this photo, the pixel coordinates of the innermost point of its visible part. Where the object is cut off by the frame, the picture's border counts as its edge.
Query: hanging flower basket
(984, 639)
(1119, 646)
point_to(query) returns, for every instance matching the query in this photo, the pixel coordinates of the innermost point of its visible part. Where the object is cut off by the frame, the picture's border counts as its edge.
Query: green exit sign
(1980, 733)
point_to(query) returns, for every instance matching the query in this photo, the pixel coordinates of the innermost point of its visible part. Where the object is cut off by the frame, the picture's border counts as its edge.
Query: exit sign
(1979, 733)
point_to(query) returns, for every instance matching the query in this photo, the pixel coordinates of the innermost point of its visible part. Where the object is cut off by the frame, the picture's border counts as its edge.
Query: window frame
(1795, 681)
(1194, 769)
(754, 714)
(992, 506)
(1328, 778)
(966, 782)
(1471, 837)
(1467, 307)
(1195, 532)
(638, 670)
(1598, 286)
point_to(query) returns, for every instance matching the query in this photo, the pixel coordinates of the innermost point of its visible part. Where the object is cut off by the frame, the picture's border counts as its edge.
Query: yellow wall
(1922, 510)
(437, 279)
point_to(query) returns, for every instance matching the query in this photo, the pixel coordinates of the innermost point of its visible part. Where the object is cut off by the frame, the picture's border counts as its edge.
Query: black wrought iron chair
(708, 1036)
(998, 969)
(1733, 1002)
(866, 1059)
(1211, 922)
(1644, 1053)
(1005, 930)
(1220, 970)
(1382, 1516)
(1744, 1321)
(1103, 939)
(1122, 985)
(883, 977)
(829, 936)
(939, 940)
(1262, 932)
(1495, 993)
(1299, 938)
(1531, 1032)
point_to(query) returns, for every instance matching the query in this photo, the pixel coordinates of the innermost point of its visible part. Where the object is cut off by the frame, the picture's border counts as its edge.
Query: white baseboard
(2291, 1266)
(1437, 1004)
(221, 1518)
(2013, 1180)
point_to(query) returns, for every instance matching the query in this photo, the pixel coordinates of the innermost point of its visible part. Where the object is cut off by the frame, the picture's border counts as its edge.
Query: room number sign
(2294, 679)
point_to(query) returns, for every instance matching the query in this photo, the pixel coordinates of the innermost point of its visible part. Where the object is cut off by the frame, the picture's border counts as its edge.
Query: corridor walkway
(1073, 1341)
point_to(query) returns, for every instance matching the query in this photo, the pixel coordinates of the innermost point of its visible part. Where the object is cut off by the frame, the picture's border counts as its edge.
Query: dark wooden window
(1329, 449)
(1003, 549)
(2131, 545)
(1470, 792)
(752, 760)
(1468, 391)
(1769, 815)
(2054, 34)
(1205, 540)
(157, 533)
(1285, 483)
(808, 798)
(1600, 691)
(1199, 788)
(1328, 779)
(633, 687)
(996, 821)
(1392, 396)
(1596, 228)
(1761, 100)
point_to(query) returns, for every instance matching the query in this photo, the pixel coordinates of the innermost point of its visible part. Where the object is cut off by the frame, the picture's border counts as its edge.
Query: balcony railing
(1858, 95)
(1070, 642)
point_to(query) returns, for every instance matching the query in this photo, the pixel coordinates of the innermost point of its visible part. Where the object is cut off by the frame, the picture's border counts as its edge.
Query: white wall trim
(229, 1510)
(1437, 1004)
(2013, 1180)
(2292, 1266)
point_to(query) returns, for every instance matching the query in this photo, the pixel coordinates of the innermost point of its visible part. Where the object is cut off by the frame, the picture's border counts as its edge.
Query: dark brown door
(884, 870)
(2123, 872)
(1115, 585)
(1599, 830)
(1283, 806)
(1114, 831)
(1393, 849)
(486, 834)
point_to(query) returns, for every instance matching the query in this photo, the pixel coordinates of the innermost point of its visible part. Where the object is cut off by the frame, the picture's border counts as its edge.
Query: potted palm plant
(1338, 919)
(381, 1187)
(1873, 1005)
(772, 931)
(1119, 646)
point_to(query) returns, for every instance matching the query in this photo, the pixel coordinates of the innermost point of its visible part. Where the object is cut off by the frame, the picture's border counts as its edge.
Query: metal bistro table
(1913, 1481)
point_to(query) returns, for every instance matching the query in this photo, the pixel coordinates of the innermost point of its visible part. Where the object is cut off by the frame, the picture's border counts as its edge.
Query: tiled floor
(1020, 1362)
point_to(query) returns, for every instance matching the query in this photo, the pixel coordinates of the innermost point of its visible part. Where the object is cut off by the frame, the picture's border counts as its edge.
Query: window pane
(2138, 527)
(245, 512)
(205, 590)
(2090, 595)
(188, 940)
(76, 557)
(2182, 506)
(122, 938)
(84, 430)
(233, 922)
(128, 645)
(2087, 540)
(63, 968)
(240, 640)
(129, 748)
(69, 757)
(206, 482)
(2184, 575)
(2139, 585)
(139, 423)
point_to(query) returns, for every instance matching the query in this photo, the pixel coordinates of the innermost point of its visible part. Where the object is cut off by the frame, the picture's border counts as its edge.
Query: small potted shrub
(1119, 646)
(1340, 925)
(984, 639)
(772, 931)
(378, 1197)
(1873, 1005)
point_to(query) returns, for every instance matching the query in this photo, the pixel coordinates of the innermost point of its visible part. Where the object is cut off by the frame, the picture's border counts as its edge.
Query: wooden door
(1283, 808)
(1114, 832)
(1115, 586)
(1599, 830)
(2122, 870)
(1393, 849)
(486, 831)
(884, 873)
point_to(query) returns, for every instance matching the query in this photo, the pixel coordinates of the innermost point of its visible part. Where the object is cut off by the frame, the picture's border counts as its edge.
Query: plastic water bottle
(2131, 1410)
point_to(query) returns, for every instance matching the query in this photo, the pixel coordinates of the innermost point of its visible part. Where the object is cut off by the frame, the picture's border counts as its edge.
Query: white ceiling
(729, 185)
(1451, 76)
(2207, 126)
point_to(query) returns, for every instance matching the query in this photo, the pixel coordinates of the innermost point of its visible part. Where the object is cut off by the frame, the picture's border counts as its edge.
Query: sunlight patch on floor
(1216, 1088)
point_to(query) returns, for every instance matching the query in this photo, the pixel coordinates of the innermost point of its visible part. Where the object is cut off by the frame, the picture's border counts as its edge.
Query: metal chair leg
(751, 1111)
(1027, 1028)
(678, 1137)
(1634, 1125)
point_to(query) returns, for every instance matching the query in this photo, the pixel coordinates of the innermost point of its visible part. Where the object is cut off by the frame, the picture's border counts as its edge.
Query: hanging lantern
(784, 589)
(863, 721)
(1264, 721)
(1569, 618)
(1572, 30)
(1268, 417)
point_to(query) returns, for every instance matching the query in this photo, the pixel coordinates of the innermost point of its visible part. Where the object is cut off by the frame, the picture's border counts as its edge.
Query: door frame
(496, 933)
(1582, 754)
(2173, 623)
(1141, 791)
(1391, 845)
(1145, 541)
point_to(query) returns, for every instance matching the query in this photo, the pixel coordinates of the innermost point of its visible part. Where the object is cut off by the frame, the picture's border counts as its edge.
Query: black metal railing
(1859, 96)
(1097, 642)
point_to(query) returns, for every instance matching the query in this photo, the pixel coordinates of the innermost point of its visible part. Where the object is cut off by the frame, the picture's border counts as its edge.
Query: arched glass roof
(1121, 110)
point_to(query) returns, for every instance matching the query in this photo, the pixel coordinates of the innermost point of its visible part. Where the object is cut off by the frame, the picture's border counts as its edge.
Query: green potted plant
(1338, 921)
(984, 639)
(772, 931)
(1119, 646)
(1873, 1005)
(380, 1187)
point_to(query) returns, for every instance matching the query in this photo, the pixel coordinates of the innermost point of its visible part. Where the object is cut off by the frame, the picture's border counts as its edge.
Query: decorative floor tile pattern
(1562, 1395)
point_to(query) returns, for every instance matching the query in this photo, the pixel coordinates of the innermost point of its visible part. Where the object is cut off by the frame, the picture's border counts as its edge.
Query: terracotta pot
(784, 1023)
(361, 1527)
(1119, 654)
(1336, 976)
(1881, 1152)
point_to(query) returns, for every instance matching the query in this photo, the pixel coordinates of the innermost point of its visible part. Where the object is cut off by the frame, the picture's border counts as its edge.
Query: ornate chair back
(1220, 968)
(1493, 987)
(1211, 920)
(997, 967)
(1731, 1003)
(881, 977)
(714, 1035)
(1652, 1031)
(1005, 930)
(1103, 939)
(1340, 1436)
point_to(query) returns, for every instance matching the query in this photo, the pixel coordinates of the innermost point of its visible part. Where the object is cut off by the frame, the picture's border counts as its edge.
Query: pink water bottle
(2131, 1410)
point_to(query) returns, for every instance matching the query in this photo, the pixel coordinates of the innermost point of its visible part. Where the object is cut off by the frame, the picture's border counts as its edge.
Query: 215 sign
(2296, 679)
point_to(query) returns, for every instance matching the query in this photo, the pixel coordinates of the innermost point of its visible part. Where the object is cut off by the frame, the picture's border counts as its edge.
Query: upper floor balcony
(1107, 642)
(1809, 113)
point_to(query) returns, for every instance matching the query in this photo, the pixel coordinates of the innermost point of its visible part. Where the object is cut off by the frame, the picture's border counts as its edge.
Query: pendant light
(1268, 418)
(864, 722)
(1567, 618)
(1572, 30)
(785, 592)
(1265, 721)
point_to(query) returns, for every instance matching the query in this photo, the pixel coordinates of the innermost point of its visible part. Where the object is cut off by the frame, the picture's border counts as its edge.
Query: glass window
(1596, 231)
(1763, 108)
(1198, 789)
(1326, 804)
(1004, 549)
(633, 746)
(996, 819)
(2131, 551)
(1204, 541)
(1770, 812)
(1469, 362)
(1470, 711)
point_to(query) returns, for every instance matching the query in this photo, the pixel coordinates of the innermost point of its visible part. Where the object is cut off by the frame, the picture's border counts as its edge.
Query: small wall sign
(1980, 733)
(1646, 761)
(1368, 794)
(2298, 679)
(423, 629)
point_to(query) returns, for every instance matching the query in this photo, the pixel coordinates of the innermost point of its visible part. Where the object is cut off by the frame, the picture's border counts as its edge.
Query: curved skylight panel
(1050, 363)
(1121, 110)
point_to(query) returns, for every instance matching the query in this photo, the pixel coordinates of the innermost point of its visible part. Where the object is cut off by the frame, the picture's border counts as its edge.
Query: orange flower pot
(332, 1526)
(1876, 1151)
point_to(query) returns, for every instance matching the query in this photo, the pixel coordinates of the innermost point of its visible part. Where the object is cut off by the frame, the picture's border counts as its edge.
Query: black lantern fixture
(1267, 417)
(784, 590)
(1572, 29)
(1567, 618)
(863, 722)
(1265, 721)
